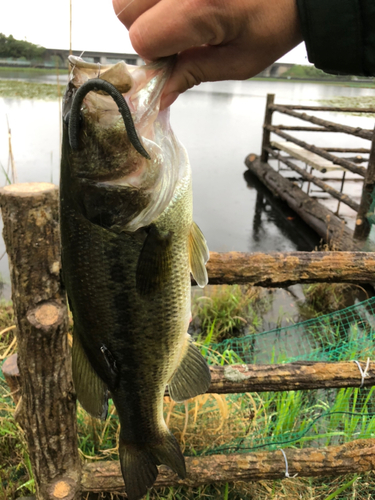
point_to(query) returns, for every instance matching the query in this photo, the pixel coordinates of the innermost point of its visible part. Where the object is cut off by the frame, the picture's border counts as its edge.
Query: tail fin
(138, 464)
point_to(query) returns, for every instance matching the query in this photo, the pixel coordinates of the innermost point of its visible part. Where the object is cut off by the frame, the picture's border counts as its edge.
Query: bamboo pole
(267, 121)
(355, 457)
(363, 226)
(331, 126)
(320, 219)
(321, 152)
(344, 198)
(46, 410)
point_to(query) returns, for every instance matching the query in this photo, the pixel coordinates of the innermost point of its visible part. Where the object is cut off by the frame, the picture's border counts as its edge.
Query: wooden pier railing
(320, 158)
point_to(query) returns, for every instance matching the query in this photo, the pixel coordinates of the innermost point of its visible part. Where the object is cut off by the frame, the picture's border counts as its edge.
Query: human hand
(214, 39)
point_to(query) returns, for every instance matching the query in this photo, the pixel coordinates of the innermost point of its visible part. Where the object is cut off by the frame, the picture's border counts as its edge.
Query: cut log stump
(47, 408)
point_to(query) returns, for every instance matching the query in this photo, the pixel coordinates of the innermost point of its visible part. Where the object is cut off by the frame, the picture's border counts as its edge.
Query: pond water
(219, 124)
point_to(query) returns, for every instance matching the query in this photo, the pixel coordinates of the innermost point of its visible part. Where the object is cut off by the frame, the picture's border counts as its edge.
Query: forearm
(339, 35)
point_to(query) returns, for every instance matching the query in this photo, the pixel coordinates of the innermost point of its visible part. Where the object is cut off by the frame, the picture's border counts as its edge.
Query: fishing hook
(98, 84)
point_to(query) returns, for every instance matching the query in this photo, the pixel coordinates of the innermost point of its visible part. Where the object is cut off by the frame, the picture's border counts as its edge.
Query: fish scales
(127, 253)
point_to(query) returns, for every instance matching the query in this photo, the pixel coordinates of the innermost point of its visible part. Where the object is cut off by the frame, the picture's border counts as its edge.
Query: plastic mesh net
(244, 422)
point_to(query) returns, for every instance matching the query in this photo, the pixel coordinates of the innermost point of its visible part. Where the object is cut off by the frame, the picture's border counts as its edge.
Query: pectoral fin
(154, 264)
(91, 391)
(192, 377)
(198, 255)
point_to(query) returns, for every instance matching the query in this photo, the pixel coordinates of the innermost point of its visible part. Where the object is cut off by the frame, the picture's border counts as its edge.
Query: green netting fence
(235, 423)
(247, 422)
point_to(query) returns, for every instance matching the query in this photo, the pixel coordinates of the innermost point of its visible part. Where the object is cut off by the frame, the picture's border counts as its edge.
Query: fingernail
(168, 99)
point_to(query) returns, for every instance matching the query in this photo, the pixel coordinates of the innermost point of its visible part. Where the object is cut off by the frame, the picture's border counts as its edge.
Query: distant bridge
(275, 70)
(93, 56)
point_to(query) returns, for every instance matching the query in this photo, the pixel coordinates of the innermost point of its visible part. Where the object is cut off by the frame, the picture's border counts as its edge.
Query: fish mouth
(100, 85)
(105, 153)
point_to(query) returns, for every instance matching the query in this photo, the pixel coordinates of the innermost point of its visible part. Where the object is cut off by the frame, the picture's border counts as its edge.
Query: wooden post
(363, 226)
(47, 408)
(266, 133)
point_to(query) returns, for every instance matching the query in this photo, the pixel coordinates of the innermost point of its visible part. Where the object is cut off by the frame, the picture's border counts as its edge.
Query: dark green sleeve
(340, 35)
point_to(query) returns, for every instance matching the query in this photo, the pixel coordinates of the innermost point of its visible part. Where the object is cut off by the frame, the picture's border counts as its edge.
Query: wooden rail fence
(40, 376)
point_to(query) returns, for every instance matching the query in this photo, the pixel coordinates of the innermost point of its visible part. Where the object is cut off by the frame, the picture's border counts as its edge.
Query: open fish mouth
(100, 85)
(117, 134)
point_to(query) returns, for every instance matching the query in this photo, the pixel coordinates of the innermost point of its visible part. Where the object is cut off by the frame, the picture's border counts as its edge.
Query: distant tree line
(311, 72)
(10, 47)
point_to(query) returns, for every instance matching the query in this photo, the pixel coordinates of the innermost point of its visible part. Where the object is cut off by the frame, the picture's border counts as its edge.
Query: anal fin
(192, 377)
(91, 391)
(198, 255)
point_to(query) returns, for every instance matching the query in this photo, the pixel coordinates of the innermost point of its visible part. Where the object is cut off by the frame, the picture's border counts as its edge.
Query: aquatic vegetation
(29, 90)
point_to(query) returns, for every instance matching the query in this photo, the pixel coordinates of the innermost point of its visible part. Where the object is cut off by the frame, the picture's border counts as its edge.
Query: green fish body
(128, 246)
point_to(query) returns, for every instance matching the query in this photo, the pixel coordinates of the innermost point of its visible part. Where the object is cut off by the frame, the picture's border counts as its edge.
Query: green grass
(229, 311)
(213, 423)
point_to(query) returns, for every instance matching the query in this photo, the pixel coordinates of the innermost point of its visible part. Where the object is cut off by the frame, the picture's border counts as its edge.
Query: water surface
(219, 124)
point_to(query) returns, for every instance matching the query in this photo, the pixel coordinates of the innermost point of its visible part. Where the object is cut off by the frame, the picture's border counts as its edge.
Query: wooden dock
(319, 167)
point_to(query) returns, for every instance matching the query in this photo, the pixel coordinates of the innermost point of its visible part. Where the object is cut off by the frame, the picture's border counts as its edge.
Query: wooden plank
(354, 457)
(313, 160)
(352, 167)
(344, 198)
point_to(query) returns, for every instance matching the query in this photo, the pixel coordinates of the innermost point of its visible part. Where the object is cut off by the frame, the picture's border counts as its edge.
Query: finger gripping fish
(129, 244)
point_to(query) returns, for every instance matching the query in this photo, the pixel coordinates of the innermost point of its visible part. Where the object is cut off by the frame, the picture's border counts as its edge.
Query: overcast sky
(94, 27)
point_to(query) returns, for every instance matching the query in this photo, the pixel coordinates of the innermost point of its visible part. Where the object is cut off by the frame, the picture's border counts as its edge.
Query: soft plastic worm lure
(97, 84)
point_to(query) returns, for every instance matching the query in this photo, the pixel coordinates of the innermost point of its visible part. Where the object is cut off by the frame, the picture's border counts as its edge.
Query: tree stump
(47, 408)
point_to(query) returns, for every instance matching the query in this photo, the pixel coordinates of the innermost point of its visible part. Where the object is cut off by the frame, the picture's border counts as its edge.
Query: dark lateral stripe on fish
(98, 84)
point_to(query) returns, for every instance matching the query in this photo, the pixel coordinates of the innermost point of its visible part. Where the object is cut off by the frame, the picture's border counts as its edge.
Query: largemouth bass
(129, 244)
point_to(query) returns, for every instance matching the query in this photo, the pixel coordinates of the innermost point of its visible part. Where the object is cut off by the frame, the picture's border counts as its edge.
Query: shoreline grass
(47, 71)
(211, 422)
(12, 88)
